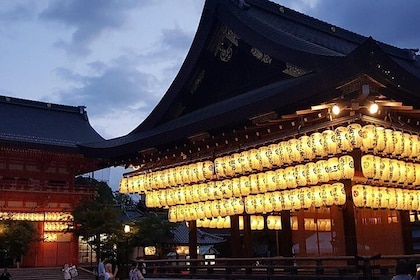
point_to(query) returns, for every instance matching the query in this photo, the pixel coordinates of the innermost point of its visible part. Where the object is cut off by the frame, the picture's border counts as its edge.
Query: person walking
(66, 272)
(101, 269)
(109, 275)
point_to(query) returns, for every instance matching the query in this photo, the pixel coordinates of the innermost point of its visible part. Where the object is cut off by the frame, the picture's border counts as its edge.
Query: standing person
(66, 272)
(137, 273)
(402, 271)
(5, 275)
(101, 269)
(109, 275)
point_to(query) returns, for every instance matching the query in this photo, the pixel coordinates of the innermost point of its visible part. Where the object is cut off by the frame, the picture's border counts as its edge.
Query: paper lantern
(330, 142)
(294, 151)
(265, 157)
(408, 145)
(417, 174)
(380, 142)
(334, 168)
(213, 222)
(354, 135)
(236, 187)
(274, 222)
(250, 204)
(259, 203)
(245, 185)
(368, 166)
(217, 191)
(294, 223)
(339, 193)
(245, 159)
(284, 152)
(294, 199)
(311, 173)
(415, 148)
(317, 144)
(281, 179)
(384, 170)
(277, 206)
(227, 188)
(262, 182)
(226, 223)
(369, 138)
(123, 185)
(305, 198)
(347, 167)
(271, 180)
(219, 167)
(274, 155)
(359, 195)
(253, 180)
(238, 205)
(285, 200)
(178, 175)
(207, 209)
(322, 171)
(395, 170)
(305, 148)
(223, 209)
(231, 167)
(317, 196)
(343, 143)
(403, 173)
(300, 173)
(210, 190)
(203, 190)
(398, 143)
(268, 205)
(389, 142)
(255, 158)
(290, 177)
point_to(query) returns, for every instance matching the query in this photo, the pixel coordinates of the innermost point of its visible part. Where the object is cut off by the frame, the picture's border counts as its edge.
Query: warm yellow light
(336, 110)
(127, 228)
(373, 108)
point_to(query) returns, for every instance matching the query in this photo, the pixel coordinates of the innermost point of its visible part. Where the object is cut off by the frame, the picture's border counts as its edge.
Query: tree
(96, 219)
(15, 237)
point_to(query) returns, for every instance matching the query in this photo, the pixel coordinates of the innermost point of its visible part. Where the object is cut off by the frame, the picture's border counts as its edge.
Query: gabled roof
(253, 57)
(34, 124)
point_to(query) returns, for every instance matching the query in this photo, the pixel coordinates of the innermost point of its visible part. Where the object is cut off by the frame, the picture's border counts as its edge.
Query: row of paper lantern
(382, 197)
(322, 171)
(303, 198)
(55, 226)
(390, 170)
(368, 138)
(38, 217)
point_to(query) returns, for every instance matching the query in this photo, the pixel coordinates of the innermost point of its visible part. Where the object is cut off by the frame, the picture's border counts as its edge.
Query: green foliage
(15, 236)
(152, 230)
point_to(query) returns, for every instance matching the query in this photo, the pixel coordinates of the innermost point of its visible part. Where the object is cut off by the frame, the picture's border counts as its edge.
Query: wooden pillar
(349, 221)
(286, 244)
(406, 232)
(235, 238)
(192, 230)
(247, 242)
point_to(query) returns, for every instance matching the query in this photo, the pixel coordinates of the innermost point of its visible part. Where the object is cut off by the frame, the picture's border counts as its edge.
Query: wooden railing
(345, 267)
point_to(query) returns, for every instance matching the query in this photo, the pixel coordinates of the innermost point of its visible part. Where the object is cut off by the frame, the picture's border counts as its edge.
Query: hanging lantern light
(265, 157)
(358, 195)
(262, 182)
(281, 179)
(294, 152)
(395, 170)
(218, 192)
(250, 204)
(343, 142)
(369, 138)
(256, 163)
(389, 142)
(368, 166)
(245, 186)
(354, 135)
(305, 148)
(415, 148)
(408, 145)
(275, 154)
(347, 167)
(339, 193)
(123, 185)
(335, 172)
(253, 179)
(330, 142)
(245, 159)
(259, 203)
(284, 152)
(311, 173)
(385, 169)
(218, 167)
(210, 190)
(417, 174)
(398, 143)
(305, 198)
(276, 201)
(230, 163)
(236, 187)
(317, 196)
(271, 180)
(317, 144)
(268, 205)
(300, 173)
(322, 171)
(380, 143)
(403, 173)
(290, 177)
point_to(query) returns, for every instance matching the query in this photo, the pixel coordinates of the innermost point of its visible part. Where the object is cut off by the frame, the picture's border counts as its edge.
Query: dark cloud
(119, 86)
(389, 21)
(89, 18)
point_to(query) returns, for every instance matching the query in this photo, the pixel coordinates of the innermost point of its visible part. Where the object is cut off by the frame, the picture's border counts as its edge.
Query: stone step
(45, 273)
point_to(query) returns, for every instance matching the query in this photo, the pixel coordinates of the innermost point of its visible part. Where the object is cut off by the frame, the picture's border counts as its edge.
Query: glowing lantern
(172, 215)
(215, 208)
(245, 185)
(317, 144)
(259, 203)
(230, 165)
(245, 159)
(236, 160)
(330, 142)
(305, 148)
(203, 190)
(354, 135)
(403, 173)
(395, 170)
(250, 204)
(207, 209)
(346, 166)
(300, 173)
(262, 182)
(236, 187)
(381, 140)
(268, 205)
(305, 198)
(238, 206)
(219, 167)
(253, 180)
(276, 201)
(178, 175)
(317, 196)
(218, 192)
(226, 223)
(408, 145)
(265, 157)
(274, 222)
(393, 199)
(255, 157)
(123, 185)
(185, 174)
(359, 195)
(368, 166)
(399, 143)
(213, 223)
(385, 196)
(417, 174)
(322, 171)
(223, 211)
(281, 179)
(290, 177)
(335, 172)
(294, 151)
(294, 223)
(369, 138)
(227, 188)
(274, 154)
(384, 171)
(285, 199)
(389, 141)
(311, 173)
(339, 193)
(271, 180)
(415, 148)
(210, 190)
(343, 142)
(241, 223)
(284, 152)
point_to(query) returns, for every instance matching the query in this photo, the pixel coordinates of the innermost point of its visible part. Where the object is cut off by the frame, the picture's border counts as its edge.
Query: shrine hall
(279, 121)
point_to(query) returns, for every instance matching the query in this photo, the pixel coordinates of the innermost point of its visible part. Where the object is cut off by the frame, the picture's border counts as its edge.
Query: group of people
(69, 271)
(406, 270)
(105, 271)
(5, 275)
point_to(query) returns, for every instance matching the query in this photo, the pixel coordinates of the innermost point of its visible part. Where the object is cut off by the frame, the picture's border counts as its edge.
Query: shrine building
(282, 122)
(39, 160)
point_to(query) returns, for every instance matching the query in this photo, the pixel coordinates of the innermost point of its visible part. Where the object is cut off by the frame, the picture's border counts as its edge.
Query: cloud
(90, 19)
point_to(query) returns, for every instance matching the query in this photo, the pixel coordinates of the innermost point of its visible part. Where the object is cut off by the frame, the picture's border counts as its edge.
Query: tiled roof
(181, 236)
(31, 123)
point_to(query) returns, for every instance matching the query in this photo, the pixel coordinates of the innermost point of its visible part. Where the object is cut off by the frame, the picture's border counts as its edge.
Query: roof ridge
(42, 105)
